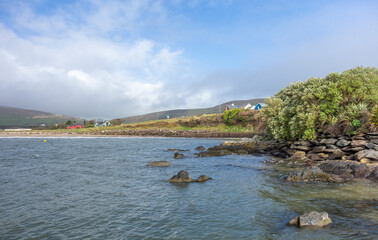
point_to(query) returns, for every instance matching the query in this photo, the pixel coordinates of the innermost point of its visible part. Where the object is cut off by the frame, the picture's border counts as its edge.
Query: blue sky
(108, 59)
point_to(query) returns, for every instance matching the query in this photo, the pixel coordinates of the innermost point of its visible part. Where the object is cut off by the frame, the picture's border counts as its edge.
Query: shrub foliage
(301, 110)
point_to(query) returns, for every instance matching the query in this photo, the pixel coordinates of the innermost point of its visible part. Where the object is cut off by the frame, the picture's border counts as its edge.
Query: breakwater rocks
(327, 158)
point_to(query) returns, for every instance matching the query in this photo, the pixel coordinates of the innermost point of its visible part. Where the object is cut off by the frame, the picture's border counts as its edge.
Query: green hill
(17, 117)
(187, 112)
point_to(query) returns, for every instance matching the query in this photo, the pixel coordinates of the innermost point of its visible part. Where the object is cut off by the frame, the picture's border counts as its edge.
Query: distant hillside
(16, 117)
(188, 112)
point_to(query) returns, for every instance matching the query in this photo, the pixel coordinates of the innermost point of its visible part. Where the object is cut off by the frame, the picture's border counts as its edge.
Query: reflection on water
(100, 188)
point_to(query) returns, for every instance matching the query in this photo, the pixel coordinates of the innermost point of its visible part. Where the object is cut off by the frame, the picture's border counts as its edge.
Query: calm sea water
(100, 188)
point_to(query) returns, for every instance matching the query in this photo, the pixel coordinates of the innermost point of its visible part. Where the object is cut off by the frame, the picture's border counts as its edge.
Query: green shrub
(229, 115)
(302, 109)
(356, 123)
(374, 116)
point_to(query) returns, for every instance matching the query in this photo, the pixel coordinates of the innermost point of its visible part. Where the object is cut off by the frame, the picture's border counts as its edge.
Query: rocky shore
(327, 158)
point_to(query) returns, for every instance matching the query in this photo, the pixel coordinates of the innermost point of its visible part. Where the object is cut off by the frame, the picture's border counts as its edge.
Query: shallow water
(100, 188)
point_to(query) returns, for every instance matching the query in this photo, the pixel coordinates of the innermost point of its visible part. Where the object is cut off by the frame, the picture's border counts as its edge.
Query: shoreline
(130, 133)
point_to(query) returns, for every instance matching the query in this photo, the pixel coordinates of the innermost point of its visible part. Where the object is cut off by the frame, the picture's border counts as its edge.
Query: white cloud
(97, 59)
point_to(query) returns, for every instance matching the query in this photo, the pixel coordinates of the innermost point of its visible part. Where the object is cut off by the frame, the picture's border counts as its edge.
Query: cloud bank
(97, 59)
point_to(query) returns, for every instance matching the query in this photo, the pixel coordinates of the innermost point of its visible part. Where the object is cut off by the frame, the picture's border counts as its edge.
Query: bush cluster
(303, 109)
(229, 115)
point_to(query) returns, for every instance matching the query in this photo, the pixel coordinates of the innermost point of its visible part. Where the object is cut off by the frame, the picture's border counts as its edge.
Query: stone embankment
(327, 158)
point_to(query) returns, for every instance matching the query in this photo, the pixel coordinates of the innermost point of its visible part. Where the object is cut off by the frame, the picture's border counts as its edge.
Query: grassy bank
(205, 123)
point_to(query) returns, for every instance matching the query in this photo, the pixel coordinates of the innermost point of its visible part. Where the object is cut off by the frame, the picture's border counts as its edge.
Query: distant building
(259, 106)
(230, 107)
(74, 126)
(248, 106)
(102, 124)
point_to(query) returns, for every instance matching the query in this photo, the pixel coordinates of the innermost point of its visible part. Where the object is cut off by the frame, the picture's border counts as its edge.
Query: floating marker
(44, 140)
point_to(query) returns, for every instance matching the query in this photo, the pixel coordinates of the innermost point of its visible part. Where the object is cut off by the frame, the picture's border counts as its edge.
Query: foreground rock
(203, 178)
(350, 169)
(178, 155)
(181, 177)
(159, 164)
(318, 219)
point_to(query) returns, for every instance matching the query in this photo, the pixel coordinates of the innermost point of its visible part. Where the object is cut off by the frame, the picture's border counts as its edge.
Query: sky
(112, 59)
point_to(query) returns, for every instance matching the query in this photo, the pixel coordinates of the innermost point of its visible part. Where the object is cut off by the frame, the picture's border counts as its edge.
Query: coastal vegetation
(337, 104)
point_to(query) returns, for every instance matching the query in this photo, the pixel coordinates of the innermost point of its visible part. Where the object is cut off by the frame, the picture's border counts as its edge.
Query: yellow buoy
(44, 140)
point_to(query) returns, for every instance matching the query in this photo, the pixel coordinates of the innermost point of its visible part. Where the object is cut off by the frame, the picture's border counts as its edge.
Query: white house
(102, 124)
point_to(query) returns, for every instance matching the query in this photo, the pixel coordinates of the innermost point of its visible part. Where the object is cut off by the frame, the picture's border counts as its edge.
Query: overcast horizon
(113, 59)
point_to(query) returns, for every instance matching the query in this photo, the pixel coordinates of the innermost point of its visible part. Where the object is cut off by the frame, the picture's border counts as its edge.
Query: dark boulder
(181, 177)
(318, 156)
(200, 148)
(159, 164)
(203, 178)
(315, 219)
(343, 143)
(358, 143)
(338, 154)
(178, 155)
(318, 149)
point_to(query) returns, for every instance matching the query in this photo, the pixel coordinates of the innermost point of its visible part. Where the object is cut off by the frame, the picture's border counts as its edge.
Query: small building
(74, 126)
(248, 106)
(259, 106)
(102, 124)
(230, 107)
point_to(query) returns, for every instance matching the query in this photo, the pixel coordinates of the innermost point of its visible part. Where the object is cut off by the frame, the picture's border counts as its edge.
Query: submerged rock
(178, 155)
(159, 164)
(181, 177)
(317, 219)
(311, 174)
(203, 178)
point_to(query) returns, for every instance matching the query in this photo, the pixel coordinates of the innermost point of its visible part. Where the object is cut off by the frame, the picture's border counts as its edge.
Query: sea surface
(101, 188)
